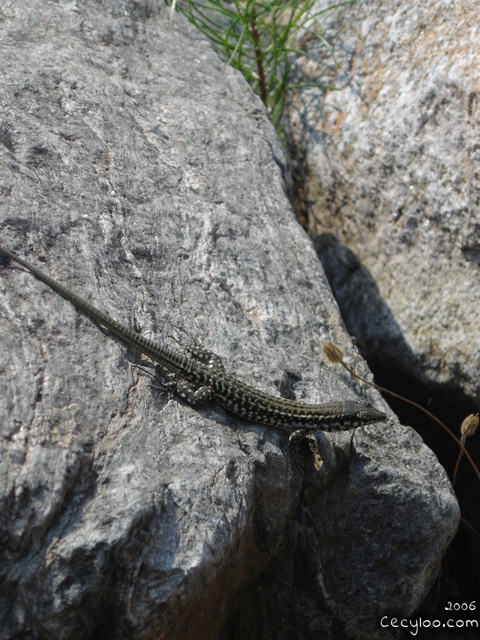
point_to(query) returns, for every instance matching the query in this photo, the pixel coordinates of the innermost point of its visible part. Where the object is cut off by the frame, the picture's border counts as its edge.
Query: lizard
(202, 378)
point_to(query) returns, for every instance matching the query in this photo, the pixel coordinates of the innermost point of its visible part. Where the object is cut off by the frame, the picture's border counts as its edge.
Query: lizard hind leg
(193, 397)
(206, 357)
(199, 353)
(165, 387)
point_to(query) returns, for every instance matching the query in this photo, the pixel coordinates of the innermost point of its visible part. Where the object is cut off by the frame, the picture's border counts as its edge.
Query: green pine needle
(257, 37)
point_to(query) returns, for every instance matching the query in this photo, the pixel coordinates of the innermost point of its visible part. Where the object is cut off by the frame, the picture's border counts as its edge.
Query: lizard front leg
(314, 455)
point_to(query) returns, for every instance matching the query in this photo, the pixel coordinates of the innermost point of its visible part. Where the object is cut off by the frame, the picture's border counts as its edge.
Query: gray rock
(141, 172)
(323, 561)
(392, 181)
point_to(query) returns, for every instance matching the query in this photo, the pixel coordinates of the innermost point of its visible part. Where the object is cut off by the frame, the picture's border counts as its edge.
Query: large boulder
(143, 173)
(389, 167)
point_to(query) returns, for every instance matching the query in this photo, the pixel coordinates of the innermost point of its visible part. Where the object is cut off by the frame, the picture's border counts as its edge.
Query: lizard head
(365, 413)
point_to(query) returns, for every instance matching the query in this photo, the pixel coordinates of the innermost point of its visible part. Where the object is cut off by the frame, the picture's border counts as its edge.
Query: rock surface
(141, 172)
(391, 164)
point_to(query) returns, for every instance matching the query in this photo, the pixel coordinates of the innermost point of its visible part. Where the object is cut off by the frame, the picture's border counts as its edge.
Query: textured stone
(392, 182)
(141, 172)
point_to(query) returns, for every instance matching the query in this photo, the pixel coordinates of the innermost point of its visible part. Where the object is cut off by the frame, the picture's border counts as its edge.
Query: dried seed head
(333, 353)
(469, 426)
